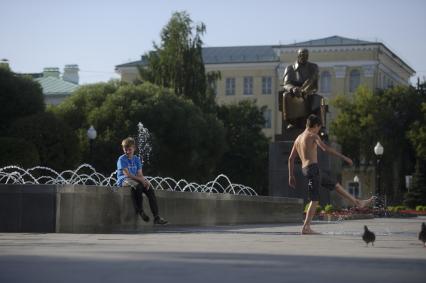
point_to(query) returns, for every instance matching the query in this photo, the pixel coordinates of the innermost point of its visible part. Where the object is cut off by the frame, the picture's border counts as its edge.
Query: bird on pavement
(422, 234)
(368, 236)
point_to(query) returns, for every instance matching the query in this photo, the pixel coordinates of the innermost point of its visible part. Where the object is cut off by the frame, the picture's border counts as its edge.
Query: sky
(100, 34)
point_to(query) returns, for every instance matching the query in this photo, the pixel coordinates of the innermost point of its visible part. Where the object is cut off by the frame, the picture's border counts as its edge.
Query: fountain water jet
(85, 174)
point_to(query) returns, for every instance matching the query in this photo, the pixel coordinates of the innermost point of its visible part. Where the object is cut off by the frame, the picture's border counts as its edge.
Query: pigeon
(368, 236)
(422, 234)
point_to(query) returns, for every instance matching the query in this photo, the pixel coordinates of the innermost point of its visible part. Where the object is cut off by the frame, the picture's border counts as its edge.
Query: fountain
(144, 143)
(40, 199)
(85, 174)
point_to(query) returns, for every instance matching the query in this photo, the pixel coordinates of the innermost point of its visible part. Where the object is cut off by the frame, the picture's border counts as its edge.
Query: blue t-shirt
(133, 165)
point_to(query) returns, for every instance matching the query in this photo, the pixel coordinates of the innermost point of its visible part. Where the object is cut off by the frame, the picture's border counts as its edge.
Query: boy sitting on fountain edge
(129, 173)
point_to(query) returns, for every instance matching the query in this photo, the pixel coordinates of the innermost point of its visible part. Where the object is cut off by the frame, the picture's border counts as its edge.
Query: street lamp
(91, 135)
(356, 179)
(378, 151)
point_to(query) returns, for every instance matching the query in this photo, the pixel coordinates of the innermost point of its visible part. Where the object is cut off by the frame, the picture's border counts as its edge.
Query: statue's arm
(310, 86)
(288, 79)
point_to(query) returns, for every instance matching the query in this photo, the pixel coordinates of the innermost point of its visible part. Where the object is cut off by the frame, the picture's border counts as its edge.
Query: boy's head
(313, 121)
(128, 145)
(128, 142)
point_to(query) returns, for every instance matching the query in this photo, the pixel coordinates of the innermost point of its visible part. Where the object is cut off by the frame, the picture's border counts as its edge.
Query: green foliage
(366, 118)
(421, 208)
(417, 135)
(246, 158)
(329, 208)
(56, 144)
(187, 143)
(19, 152)
(417, 193)
(76, 108)
(177, 61)
(396, 208)
(19, 97)
(317, 210)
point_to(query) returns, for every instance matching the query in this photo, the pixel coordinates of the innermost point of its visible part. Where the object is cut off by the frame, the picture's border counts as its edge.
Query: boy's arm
(144, 181)
(291, 158)
(138, 177)
(331, 150)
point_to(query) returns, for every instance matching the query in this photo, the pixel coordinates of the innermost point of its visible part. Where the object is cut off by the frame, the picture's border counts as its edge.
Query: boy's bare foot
(365, 202)
(309, 231)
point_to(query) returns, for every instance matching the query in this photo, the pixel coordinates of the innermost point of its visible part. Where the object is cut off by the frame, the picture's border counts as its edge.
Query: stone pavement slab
(248, 253)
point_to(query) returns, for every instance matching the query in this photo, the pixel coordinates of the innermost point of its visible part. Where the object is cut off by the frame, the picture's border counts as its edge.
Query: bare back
(306, 148)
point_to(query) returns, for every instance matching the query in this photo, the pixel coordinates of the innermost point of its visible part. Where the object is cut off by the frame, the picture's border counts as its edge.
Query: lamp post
(356, 179)
(378, 151)
(91, 135)
(356, 188)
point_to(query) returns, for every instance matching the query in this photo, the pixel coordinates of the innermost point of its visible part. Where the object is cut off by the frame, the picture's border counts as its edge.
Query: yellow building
(255, 72)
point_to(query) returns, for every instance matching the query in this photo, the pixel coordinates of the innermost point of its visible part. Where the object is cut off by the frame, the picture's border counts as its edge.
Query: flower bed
(344, 214)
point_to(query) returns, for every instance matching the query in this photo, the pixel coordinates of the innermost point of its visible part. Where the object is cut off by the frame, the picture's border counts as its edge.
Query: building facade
(57, 88)
(255, 72)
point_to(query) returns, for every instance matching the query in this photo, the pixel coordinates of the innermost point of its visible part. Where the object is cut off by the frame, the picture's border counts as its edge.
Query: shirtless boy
(305, 146)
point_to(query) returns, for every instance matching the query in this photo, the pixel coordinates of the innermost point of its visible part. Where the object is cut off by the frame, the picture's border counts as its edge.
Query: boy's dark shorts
(316, 180)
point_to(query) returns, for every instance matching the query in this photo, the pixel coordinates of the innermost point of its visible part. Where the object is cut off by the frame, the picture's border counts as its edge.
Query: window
(230, 86)
(354, 80)
(325, 82)
(267, 115)
(266, 85)
(248, 86)
(353, 189)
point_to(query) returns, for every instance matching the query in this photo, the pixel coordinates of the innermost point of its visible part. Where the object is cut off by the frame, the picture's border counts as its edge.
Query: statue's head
(302, 56)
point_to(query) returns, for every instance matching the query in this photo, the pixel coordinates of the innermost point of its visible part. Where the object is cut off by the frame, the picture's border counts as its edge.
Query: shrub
(329, 208)
(398, 208)
(19, 97)
(319, 208)
(56, 144)
(19, 152)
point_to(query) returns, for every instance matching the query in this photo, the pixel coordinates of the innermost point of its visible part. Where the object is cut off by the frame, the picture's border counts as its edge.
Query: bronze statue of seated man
(298, 98)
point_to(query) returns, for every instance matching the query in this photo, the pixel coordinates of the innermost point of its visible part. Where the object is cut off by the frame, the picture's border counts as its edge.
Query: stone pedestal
(279, 153)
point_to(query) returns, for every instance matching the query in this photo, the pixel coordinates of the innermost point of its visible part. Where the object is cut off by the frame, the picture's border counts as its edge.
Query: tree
(417, 136)
(56, 144)
(19, 97)
(246, 159)
(417, 193)
(19, 152)
(177, 62)
(76, 108)
(187, 143)
(383, 116)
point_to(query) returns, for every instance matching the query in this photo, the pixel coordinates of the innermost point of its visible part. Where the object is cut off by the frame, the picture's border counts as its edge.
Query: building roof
(236, 54)
(230, 54)
(266, 53)
(55, 86)
(143, 61)
(330, 41)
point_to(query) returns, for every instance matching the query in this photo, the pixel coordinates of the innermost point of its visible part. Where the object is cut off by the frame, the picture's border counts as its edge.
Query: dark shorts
(316, 180)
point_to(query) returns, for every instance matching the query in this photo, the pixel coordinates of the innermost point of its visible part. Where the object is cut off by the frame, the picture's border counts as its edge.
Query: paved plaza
(249, 253)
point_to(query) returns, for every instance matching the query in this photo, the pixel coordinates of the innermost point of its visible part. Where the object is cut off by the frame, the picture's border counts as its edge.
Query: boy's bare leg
(358, 203)
(306, 229)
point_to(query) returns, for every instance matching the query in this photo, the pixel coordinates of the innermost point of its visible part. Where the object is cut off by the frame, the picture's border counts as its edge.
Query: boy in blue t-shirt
(129, 173)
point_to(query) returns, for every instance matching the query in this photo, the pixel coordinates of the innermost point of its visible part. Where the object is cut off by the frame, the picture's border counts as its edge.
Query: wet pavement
(249, 253)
